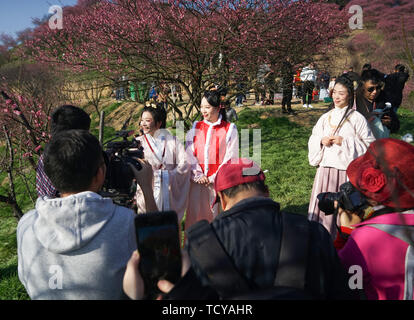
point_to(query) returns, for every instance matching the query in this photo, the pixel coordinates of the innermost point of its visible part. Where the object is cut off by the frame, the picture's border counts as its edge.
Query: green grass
(284, 154)
(10, 286)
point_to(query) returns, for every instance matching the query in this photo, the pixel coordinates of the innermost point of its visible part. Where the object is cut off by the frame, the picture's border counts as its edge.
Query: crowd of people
(77, 244)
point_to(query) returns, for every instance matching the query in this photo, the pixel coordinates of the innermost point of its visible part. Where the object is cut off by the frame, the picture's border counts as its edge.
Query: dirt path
(303, 117)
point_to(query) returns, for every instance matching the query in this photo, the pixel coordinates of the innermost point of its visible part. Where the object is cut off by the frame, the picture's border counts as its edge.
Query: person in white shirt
(331, 86)
(308, 76)
(340, 136)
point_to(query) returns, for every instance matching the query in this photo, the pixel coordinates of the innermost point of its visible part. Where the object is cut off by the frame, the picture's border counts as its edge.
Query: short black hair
(367, 66)
(400, 68)
(257, 186)
(71, 159)
(371, 75)
(68, 117)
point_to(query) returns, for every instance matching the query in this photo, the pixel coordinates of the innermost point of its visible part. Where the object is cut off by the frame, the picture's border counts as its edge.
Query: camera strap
(210, 255)
(225, 278)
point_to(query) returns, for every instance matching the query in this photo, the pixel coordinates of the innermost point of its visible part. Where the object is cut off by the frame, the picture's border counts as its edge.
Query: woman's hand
(203, 180)
(326, 141)
(337, 140)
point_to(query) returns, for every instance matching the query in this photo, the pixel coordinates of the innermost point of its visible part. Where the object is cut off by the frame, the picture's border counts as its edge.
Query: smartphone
(159, 248)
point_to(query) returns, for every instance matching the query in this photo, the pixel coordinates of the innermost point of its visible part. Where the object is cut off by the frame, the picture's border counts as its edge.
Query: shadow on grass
(249, 116)
(8, 272)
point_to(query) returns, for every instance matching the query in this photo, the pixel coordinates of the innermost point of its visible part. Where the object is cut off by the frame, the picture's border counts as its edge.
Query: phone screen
(159, 249)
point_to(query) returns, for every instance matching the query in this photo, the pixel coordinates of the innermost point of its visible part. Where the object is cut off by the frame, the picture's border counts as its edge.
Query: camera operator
(77, 246)
(381, 237)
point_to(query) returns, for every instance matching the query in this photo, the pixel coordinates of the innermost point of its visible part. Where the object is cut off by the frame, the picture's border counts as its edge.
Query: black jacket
(394, 86)
(250, 232)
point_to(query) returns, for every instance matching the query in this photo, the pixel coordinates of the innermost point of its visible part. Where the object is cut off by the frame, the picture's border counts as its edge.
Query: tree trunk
(11, 199)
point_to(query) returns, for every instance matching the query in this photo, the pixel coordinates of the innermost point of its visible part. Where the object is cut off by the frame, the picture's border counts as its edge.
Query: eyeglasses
(371, 89)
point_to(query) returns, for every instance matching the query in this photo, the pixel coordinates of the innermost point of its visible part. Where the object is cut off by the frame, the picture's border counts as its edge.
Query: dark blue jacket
(250, 232)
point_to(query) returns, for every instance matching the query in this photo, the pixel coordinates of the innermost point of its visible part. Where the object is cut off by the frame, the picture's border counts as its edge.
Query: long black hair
(215, 98)
(349, 85)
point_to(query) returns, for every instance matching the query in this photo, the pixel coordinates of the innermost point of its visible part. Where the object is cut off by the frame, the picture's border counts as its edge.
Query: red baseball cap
(385, 173)
(237, 171)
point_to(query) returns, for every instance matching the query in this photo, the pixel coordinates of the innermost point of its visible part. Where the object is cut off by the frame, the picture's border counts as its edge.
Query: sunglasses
(371, 89)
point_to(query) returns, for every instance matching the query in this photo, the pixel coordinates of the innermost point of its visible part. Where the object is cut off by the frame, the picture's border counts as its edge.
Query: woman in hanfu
(210, 143)
(168, 158)
(340, 136)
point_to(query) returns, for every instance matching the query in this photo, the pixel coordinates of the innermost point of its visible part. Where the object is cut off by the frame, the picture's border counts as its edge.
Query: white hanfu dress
(171, 169)
(333, 161)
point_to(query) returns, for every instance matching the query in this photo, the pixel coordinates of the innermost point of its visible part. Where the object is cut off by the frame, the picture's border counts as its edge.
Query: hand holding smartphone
(159, 248)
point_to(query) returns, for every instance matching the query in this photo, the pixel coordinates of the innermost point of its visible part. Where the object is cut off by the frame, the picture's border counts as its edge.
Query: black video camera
(348, 198)
(119, 184)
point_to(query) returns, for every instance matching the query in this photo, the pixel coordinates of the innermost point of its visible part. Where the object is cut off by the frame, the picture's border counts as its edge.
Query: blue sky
(16, 15)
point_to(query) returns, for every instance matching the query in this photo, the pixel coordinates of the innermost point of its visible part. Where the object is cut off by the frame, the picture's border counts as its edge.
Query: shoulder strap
(401, 232)
(227, 281)
(291, 271)
(212, 258)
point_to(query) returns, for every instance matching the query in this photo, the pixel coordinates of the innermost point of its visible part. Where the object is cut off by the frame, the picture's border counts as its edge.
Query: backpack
(289, 283)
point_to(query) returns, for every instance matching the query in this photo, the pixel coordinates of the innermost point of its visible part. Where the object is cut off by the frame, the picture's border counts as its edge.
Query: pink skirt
(200, 203)
(326, 180)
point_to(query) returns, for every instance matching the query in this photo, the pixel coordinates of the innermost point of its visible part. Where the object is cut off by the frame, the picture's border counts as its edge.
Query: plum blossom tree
(28, 94)
(194, 43)
(388, 35)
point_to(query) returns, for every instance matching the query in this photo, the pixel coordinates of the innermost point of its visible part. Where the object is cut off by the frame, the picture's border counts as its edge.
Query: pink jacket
(387, 261)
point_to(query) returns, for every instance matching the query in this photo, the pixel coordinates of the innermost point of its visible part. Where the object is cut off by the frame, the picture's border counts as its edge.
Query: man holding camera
(381, 236)
(77, 246)
(242, 253)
